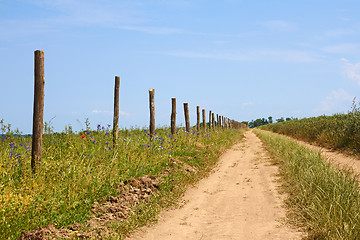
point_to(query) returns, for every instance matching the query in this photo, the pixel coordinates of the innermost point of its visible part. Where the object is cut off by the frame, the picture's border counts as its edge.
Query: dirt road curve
(238, 200)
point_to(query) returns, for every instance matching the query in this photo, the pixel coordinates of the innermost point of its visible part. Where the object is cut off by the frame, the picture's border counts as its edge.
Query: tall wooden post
(198, 118)
(38, 114)
(173, 116)
(220, 122)
(186, 112)
(213, 121)
(210, 120)
(116, 111)
(217, 121)
(152, 112)
(204, 119)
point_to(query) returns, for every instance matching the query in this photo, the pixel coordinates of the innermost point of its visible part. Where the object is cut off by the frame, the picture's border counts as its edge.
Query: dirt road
(239, 200)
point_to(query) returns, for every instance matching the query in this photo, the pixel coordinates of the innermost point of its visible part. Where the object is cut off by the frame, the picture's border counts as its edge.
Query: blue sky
(241, 59)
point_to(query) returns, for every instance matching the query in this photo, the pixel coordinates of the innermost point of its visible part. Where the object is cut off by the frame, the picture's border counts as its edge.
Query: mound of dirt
(114, 209)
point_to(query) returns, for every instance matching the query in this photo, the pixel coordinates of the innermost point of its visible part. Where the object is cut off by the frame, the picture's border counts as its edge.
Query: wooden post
(204, 119)
(198, 118)
(213, 121)
(173, 116)
(187, 122)
(217, 121)
(116, 111)
(210, 120)
(152, 112)
(38, 114)
(220, 122)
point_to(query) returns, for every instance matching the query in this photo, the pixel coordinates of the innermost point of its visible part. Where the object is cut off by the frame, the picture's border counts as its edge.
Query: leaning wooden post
(152, 112)
(186, 112)
(116, 111)
(198, 118)
(38, 114)
(210, 120)
(173, 116)
(204, 119)
(213, 121)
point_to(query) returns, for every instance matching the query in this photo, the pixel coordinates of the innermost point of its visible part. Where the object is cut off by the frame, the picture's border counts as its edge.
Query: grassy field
(81, 168)
(340, 131)
(322, 199)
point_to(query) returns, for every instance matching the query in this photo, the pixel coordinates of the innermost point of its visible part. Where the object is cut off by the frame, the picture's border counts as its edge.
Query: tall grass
(340, 131)
(81, 168)
(321, 198)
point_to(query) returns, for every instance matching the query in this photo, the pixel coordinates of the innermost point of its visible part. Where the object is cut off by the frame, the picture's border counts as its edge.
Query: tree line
(263, 121)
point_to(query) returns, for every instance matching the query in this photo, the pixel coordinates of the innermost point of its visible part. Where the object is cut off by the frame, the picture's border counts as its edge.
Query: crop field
(81, 168)
(340, 131)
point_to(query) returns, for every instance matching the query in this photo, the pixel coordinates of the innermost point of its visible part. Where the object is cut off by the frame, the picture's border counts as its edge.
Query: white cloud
(338, 101)
(351, 70)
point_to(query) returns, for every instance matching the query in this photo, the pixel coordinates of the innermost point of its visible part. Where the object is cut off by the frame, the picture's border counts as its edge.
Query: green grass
(321, 198)
(80, 168)
(340, 131)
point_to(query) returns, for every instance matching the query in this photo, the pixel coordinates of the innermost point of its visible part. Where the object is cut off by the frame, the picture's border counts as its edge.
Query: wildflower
(107, 143)
(69, 168)
(106, 133)
(109, 125)
(109, 148)
(93, 142)
(88, 155)
(82, 136)
(88, 132)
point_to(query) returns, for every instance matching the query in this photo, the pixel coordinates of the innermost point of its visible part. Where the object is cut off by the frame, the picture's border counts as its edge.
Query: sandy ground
(239, 200)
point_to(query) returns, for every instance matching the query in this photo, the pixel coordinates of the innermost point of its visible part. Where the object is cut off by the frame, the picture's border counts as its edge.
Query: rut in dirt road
(239, 200)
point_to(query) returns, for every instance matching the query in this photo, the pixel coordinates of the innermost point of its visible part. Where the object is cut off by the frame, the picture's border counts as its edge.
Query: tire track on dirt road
(239, 200)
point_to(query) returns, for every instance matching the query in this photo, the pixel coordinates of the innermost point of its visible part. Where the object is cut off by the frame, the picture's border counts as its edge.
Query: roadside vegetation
(340, 131)
(322, 199)
(80, 168)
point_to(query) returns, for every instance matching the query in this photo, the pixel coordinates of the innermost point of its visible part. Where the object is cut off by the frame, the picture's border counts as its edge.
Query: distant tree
(288, 119)
(280, 119)
(270, 119)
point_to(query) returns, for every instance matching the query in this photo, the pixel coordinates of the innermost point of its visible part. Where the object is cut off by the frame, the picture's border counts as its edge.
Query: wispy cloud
(278, 25)
(264, 55)
(338, 101)
(342, 48)
(351, 70)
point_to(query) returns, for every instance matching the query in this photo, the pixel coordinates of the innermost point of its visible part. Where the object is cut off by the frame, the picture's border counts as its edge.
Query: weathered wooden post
(186, 112)
(210, 120)
(217, 121)
(204, 119)
(173, 116)
(198, 118)
(220, 122)
(116, 111)
(152, 112)
(213, 121)
(38, 114)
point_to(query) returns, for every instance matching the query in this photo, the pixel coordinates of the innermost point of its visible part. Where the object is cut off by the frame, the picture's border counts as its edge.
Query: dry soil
(239, 200)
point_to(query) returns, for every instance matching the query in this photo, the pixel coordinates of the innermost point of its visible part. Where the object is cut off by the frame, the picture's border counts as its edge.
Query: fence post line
(173, 116)
(116, 111)
(186, 112)
(38, 111)
(152, 112)
(198, 118)
(204, 119)
(209, 120)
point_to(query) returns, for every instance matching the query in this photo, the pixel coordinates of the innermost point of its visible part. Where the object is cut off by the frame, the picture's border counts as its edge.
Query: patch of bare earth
(114, 209)
(239, 200)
